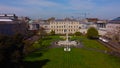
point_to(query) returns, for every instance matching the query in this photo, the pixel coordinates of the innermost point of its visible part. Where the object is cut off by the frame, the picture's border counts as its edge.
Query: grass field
(90, 43)
(77, 58)
(46, 41)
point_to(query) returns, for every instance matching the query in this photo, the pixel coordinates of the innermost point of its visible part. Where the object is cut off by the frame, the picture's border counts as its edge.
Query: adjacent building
(10, 25)
(33, 25)
(113, 29)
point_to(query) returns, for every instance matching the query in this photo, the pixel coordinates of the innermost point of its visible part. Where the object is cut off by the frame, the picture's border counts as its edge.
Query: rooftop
(115, 21)
(6, 20)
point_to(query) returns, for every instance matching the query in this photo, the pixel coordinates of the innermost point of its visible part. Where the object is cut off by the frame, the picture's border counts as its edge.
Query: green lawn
(90, 43)
(77, 58)
(45, 42)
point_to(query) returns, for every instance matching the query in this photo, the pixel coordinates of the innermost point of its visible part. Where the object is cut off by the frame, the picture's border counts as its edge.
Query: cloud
(44, 8)
(108, 11)
(81, 4)
(21, 11)
(11, 9)
(40, 3)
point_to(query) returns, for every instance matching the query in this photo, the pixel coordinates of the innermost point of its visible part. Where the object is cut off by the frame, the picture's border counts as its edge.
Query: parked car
(104, 40)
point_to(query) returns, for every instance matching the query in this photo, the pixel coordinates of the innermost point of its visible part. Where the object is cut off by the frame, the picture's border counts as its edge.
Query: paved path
(54, 45)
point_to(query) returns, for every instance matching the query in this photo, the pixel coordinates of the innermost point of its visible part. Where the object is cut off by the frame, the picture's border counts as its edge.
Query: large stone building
(60, 26)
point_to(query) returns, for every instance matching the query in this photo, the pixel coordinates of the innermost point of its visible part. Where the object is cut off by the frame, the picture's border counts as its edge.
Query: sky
(103, 9)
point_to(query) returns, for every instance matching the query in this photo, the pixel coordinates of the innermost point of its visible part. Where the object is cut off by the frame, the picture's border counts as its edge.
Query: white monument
(67, 43)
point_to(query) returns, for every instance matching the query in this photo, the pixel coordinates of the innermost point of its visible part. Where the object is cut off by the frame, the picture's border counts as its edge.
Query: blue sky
(104, 9)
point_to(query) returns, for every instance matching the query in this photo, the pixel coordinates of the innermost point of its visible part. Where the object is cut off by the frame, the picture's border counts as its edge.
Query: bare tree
(41, 32)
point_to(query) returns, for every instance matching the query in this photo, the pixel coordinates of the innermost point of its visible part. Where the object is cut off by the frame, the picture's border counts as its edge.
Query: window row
(117, 27)
(65, 22)
(64, 26)
(64, 30)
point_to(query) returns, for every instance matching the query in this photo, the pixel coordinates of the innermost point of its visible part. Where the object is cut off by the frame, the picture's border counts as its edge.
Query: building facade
(113, 29)
(9, 25)
(61, 26)
(46, 25)
(33, 25)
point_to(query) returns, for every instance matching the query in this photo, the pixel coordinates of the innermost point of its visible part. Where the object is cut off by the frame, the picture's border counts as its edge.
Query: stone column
(67, 31)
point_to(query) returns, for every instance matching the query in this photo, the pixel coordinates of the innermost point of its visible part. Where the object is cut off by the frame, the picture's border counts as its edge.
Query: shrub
(77, 33)
(52, 32)
(92, 33)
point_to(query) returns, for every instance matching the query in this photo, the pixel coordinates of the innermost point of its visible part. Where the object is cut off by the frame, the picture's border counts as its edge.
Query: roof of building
(8, 16)
(31, 21)
(6, 20)
(115, 21)
(61, 20)
(92, 19)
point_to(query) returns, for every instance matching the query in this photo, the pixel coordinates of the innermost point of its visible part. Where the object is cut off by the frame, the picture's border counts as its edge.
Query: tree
(11, 50)
(92, 33)
(77, 33)
(41, 32)
(51, 19)
(52, 32)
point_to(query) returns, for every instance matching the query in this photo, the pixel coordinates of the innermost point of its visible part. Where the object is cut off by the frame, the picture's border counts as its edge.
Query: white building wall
(112, 29)
(60, 26)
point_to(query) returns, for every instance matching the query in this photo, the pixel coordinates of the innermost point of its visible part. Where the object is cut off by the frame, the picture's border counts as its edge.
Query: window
(45, 26)
(59, 26)
(64, 26)
(65, 30)
(72, 23)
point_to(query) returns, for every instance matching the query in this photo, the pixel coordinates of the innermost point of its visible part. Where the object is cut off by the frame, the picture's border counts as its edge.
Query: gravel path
(54, 45)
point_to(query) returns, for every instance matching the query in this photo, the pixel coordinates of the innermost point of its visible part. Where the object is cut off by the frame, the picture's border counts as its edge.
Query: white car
(104, 40)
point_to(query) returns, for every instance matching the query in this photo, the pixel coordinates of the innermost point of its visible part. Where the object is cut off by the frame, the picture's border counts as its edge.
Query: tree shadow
(20, 63)
(35, 64)
(24, 64)
(34, 55)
